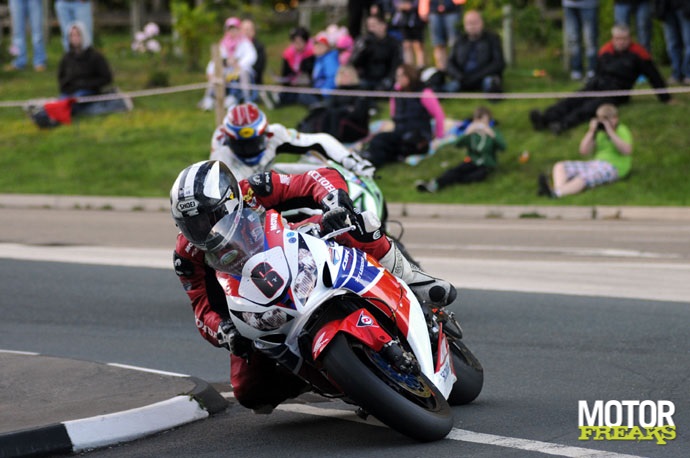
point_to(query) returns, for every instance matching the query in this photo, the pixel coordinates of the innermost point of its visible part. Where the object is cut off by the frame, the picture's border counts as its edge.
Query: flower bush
(145, 42)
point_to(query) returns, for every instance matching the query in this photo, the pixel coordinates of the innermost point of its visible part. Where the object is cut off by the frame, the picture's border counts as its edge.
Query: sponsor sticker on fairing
(627, 420)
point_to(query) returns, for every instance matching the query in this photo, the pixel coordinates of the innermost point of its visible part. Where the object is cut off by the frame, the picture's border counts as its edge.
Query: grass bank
(140, 153)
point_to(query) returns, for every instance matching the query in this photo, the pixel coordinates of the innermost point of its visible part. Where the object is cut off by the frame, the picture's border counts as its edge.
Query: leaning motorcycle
(335, 317)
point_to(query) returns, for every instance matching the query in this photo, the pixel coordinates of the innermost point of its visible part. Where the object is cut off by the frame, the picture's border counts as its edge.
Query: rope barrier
(362, 93)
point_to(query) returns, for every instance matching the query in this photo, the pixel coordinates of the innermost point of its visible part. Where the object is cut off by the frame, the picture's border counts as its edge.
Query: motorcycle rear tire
(425, 417)
(469, 372)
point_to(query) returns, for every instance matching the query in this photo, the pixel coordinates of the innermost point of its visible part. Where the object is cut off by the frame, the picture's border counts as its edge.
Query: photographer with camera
(611, 143)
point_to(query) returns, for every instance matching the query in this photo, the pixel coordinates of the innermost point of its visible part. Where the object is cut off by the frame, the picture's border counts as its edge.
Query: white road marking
(659, 281)
(533, 446)
(16, 352)
(146, 369)
(108, 256)
(664, 281)
(466, 436)
(567, 251)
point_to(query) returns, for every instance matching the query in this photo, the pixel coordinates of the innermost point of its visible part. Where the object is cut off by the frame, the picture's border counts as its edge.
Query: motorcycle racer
(247, 144)
(206, 194)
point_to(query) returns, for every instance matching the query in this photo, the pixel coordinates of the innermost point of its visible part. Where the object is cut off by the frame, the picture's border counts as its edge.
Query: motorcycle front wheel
(408, 403)
(469, 372)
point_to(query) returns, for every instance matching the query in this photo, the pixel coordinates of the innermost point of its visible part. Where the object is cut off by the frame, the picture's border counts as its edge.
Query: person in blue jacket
(326, 67)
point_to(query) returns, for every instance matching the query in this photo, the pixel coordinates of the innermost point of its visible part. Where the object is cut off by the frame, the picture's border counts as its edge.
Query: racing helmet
(207, 206)
(245, 125)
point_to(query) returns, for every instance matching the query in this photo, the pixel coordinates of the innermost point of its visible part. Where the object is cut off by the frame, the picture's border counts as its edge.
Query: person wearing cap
(239, 57)
(326, 66)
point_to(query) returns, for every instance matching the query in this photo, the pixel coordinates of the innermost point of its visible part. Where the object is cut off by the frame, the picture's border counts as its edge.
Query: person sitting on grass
(83, 71)
(619, 63)
(612, 145)
(483, 142)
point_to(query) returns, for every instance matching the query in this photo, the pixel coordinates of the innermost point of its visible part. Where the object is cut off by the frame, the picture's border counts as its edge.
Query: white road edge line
(468, 436)
(146, 369)
(17, 352)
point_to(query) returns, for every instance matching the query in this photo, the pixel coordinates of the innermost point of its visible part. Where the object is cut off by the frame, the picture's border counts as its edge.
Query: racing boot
(430, 291)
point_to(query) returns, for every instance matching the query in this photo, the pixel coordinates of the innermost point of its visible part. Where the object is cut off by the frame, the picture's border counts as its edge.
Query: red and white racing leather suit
(259, 382)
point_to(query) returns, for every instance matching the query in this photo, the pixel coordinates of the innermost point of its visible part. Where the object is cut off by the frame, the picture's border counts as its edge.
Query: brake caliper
(401, 360)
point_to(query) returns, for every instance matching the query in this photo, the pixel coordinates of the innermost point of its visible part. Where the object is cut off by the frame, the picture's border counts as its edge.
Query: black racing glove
(339, 212)
(229, 337)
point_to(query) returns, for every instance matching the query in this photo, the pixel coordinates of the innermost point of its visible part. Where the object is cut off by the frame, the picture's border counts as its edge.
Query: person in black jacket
(346, 117)
(376, 55)
(476, 60)
(82, 70)
(619, 63)
(412, 133)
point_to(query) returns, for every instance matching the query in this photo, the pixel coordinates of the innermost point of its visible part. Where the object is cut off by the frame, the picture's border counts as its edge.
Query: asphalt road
(542, 352)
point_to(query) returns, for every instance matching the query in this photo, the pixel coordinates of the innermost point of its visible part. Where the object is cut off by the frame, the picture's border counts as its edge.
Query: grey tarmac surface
(41, 392)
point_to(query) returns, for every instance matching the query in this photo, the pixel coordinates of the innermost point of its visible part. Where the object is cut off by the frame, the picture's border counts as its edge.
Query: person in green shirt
(612, 145)
(483, 143)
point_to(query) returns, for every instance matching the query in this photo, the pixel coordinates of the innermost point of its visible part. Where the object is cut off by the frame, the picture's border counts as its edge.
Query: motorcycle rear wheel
(409, 404)
(469, 372)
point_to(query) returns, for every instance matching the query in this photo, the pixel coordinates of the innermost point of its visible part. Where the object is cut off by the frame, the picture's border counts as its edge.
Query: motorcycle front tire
(366, 379)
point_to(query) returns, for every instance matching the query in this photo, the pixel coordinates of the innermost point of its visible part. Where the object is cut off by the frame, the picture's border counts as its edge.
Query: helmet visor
(197, 228)
(234, 239)
(248, 148)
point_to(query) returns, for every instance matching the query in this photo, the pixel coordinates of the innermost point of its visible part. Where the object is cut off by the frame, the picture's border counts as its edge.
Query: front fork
(361, 325)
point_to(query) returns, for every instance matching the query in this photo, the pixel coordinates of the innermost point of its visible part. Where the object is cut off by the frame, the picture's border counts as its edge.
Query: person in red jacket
(207, 192)
(619, 63)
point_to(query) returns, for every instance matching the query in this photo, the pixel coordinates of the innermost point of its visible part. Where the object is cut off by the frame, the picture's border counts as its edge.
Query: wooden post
(304, 13)
(508, 40)
(136, 15)
(219, 83)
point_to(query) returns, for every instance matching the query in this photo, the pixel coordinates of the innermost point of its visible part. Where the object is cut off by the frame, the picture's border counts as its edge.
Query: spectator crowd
(382, 49)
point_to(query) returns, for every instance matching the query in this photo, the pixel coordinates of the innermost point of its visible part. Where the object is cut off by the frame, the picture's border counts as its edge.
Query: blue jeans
(677, 35)
(99, 108)
(442, 28)
(582, 25)
(491, 83)
(20, 10)
(69, 12)
(622, 13)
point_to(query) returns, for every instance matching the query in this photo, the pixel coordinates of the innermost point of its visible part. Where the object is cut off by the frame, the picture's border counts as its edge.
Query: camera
(601, 126)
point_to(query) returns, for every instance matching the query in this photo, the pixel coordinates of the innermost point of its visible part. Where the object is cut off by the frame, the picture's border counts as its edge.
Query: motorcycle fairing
(359, 324)
(268, 277)
(279, 308)
(444, 373)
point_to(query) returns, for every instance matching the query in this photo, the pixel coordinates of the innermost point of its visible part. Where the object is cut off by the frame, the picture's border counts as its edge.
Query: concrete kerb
(114, 428)
(396, 210)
